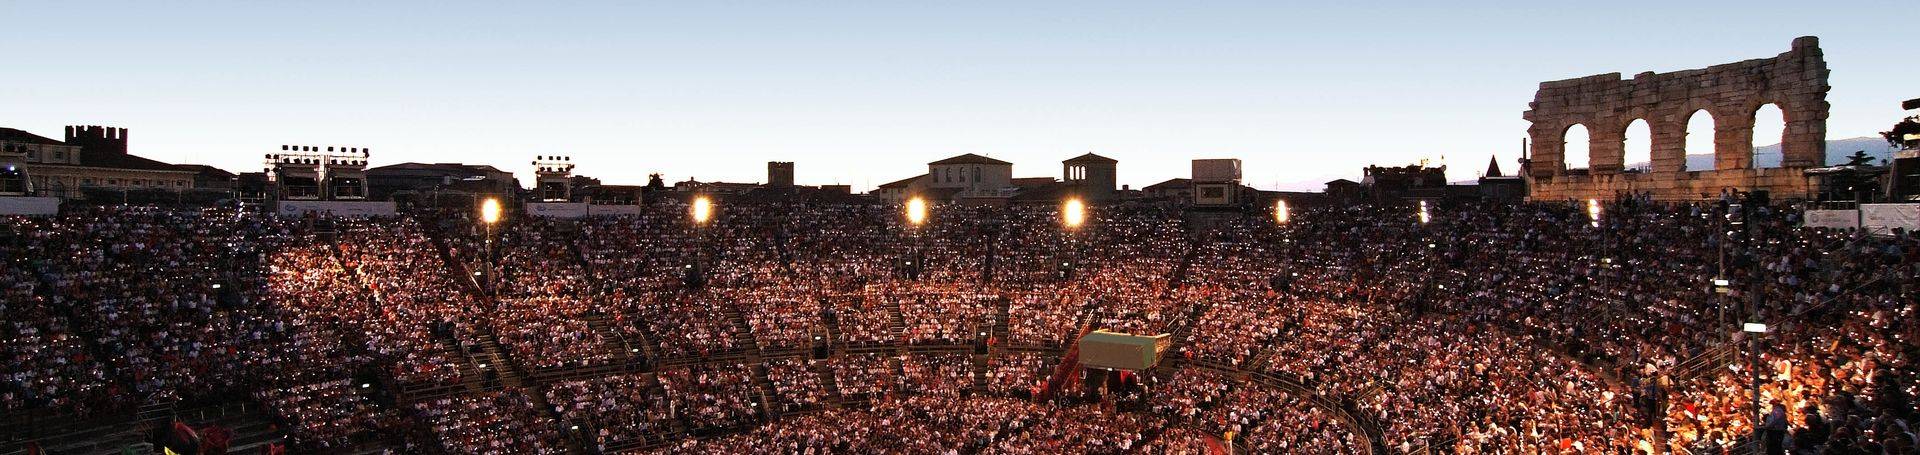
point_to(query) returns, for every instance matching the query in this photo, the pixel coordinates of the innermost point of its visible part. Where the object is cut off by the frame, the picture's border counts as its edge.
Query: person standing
(1773, 430)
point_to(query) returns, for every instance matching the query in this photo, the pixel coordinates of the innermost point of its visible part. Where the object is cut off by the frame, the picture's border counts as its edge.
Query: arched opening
(1639, 146)
(1575, 155)
(1769, 131)
(1699, 143)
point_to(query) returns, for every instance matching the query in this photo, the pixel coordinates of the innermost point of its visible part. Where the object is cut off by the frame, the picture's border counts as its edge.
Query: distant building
(91, 158)
(1216, 183)
(900, 190)
(975, 176)
(209, 177)
(1343, 191)
(1092, 176)
(406, 181)
(1177, 190)
(780, 174)
(1416, 181)
(1497, 186)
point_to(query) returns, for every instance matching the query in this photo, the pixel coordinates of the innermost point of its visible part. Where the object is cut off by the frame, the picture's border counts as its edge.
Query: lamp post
(916, 217)
(1073, 213)
(489, 214)
(701, 212)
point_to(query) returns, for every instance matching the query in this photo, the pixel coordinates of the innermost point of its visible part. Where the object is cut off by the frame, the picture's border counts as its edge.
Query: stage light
(917, 211)
(702, 210)
(1073, 213)
(1280, 211)
(490, 210)
(1424, 217)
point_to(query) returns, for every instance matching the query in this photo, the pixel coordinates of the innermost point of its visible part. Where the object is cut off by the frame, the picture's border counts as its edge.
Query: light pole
(916, 217)
(1073, 213)
(489, 214)
(701, 212)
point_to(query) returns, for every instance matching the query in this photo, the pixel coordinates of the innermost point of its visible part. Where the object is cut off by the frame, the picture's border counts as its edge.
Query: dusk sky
(866, 93)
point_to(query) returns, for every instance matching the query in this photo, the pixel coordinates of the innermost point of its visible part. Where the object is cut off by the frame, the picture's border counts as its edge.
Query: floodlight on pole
(1073, 213)
(917, 211)
(1281, 214)
(490, 210)
(702, 210)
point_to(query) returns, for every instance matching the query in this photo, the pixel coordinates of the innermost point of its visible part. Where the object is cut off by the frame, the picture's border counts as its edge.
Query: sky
(864, 93)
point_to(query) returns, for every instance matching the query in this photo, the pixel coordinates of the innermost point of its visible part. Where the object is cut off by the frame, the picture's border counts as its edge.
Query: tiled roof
(970, 159)
(13, 135)
(1091, 159)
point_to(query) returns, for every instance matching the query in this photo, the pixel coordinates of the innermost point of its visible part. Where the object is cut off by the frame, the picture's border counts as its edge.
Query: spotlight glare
(702, 210)
(1073, 213)
(490, 210)
(917, 211)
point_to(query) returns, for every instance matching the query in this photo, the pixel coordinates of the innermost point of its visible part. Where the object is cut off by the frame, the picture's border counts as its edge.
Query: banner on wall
(557, 209)
(613, 210)
(1884, 218)
(578, 209)
(30, 206)
(1836, 219)
(336, 208)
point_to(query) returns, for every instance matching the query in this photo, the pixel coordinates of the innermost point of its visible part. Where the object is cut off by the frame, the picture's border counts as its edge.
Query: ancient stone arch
(1795, 80)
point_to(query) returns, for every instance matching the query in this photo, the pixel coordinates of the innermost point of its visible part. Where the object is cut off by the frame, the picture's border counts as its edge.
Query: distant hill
(1769, 156)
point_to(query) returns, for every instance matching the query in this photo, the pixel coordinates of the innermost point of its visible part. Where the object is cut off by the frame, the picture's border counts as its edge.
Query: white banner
(1883, 218)
(557, 209)
(31, 206)
(1836, 219)
(337, 208)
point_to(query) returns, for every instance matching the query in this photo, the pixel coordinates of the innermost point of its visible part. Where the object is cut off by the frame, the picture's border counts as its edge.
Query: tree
(1898, 136)
(1860, 158)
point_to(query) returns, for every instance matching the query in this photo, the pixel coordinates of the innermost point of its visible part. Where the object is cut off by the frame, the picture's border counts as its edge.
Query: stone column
(1669, 144)
(1607, 148)
(1548, 147)
(1732, 140)
(1805, 141)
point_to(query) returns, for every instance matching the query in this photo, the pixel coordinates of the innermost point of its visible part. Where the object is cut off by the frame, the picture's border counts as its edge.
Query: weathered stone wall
(1796, 81)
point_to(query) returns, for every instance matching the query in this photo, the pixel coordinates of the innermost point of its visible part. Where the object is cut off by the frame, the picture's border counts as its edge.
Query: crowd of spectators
(617, 410)
(1479, 328)
(504, 421)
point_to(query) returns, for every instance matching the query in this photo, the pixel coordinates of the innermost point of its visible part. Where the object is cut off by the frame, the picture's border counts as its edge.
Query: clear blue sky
(865, 93)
